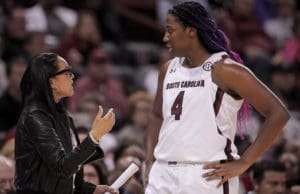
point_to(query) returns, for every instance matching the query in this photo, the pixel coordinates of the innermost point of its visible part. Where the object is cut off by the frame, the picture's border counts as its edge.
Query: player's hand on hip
(224, 171)
(101, 189)
(102, 124)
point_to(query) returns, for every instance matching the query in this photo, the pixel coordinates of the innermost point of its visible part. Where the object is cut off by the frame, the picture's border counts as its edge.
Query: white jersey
(199, 119)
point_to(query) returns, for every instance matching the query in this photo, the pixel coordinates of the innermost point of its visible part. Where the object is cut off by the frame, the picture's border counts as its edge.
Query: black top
(45, 160)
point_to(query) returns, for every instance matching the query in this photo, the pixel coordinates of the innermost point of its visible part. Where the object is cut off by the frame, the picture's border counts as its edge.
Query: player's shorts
(183, 178)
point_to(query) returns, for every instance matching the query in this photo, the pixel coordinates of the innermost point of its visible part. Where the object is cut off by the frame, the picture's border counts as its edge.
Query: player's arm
(231, 76)
(236, 77)
(155, 123)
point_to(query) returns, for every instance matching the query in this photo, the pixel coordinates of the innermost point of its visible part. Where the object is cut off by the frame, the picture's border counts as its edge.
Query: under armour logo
(173, 70)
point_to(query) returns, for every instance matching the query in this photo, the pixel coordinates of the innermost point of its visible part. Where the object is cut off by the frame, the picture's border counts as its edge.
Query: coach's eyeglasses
(68, 72)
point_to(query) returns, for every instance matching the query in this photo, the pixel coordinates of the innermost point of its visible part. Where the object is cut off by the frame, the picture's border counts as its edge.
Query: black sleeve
(49, 146)
(97, 155)
(82, 187)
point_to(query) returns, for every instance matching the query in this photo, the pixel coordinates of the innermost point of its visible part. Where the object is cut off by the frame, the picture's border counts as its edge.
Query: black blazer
(45, 160)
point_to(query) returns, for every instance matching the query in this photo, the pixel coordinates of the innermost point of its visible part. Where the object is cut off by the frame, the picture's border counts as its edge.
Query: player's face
(176, 37)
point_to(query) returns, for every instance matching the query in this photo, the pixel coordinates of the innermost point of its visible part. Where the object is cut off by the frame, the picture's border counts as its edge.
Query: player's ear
(191, 31)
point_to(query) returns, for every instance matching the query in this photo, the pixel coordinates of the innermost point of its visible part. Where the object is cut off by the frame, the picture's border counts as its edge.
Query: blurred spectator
(247, 37)
(283, 83)
(264, 9)
(110, 27)
(276, 148)
(96, 173)
(83, 124)
(291, 49)
(291, 163)
(138, 116)
(6, 176)
(10, 101)
(2, 19)
(8, 149)
(295, 189)
(35, 44)
(148, 76)
(109, 144)
(223, 17)
(77, 45)
(89, 104)
(108, 19)
(250, 37)
(289, 147)
(3, 78)
(51, 17)
(129, 149)
(269, 177)
(280, 27)
(292, 130)
(15, 33)
(136, 14)
(163, 6)
(98, 79)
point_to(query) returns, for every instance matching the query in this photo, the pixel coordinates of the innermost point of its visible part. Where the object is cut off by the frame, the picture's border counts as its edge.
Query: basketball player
(200, 92)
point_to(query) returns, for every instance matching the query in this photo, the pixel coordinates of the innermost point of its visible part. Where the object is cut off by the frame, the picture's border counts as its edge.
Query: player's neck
(196, 59)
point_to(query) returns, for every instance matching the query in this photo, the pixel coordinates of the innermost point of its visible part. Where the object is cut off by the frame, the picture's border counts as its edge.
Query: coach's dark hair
(195, 15)
(261, 167)
(35, 84)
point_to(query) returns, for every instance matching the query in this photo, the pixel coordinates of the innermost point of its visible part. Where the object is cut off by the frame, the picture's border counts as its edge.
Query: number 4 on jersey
(177, 106)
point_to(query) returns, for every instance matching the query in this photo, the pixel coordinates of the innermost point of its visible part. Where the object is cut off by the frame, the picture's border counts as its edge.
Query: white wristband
(93, 139)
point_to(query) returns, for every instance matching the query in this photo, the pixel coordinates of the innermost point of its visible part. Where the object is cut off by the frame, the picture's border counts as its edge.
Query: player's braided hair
(210, 36)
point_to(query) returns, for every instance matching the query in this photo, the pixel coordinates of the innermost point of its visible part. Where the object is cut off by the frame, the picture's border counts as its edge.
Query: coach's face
(272, 183)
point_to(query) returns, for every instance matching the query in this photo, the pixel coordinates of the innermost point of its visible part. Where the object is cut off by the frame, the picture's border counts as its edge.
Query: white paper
(121, 180)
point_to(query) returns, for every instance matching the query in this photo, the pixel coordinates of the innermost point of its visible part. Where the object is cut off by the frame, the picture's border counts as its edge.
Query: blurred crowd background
(115, 49)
